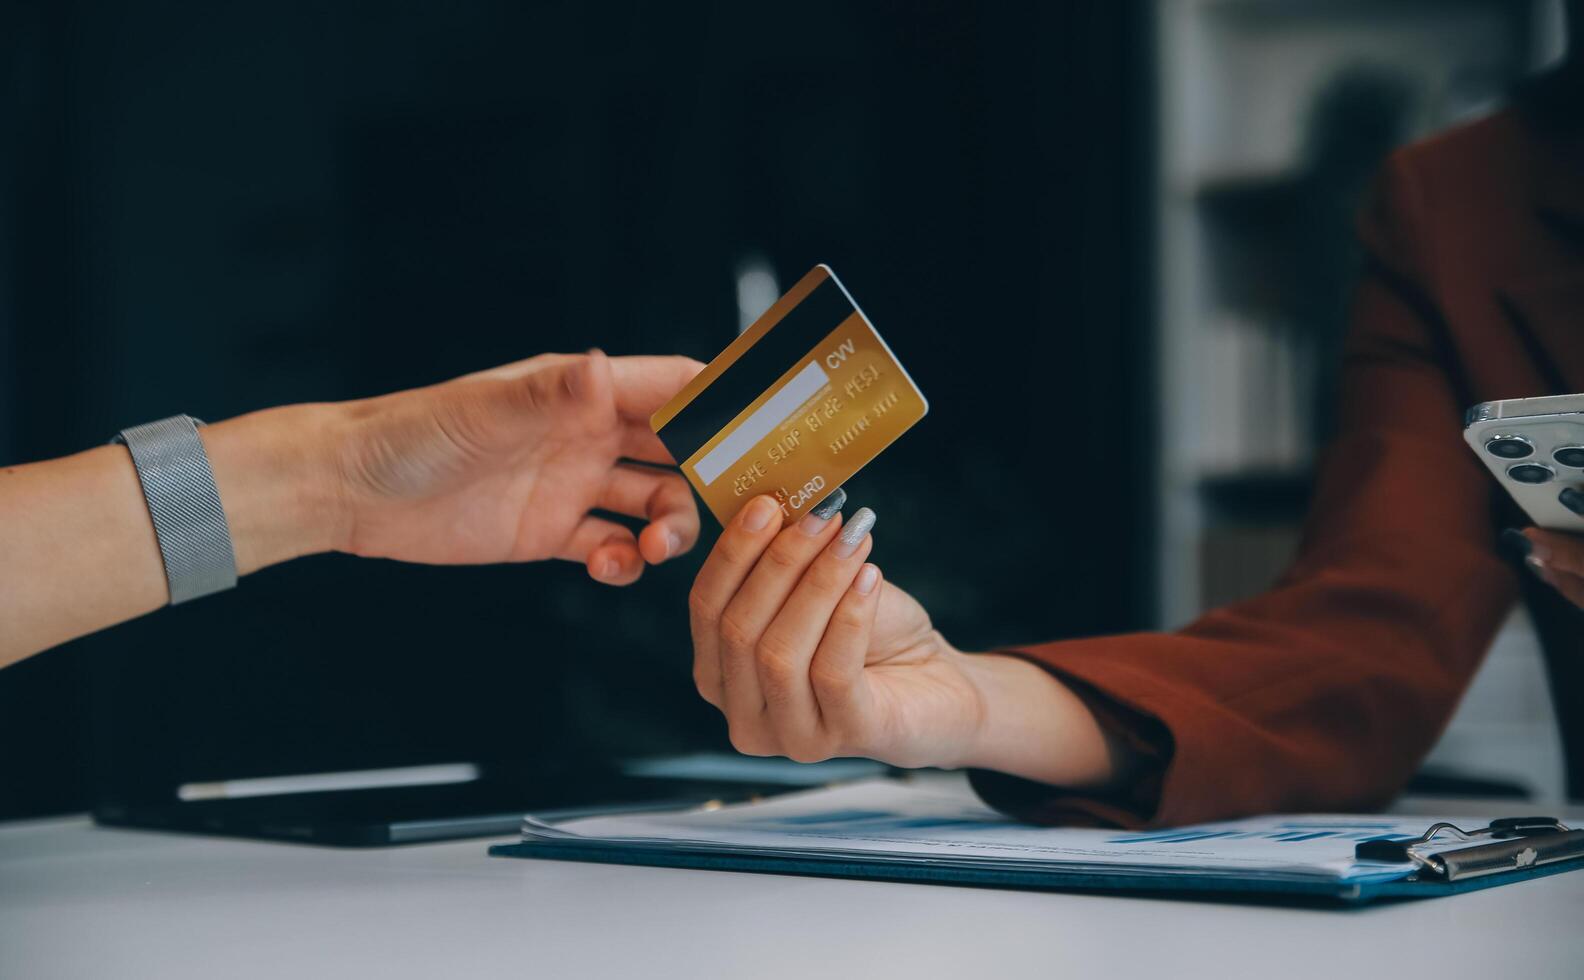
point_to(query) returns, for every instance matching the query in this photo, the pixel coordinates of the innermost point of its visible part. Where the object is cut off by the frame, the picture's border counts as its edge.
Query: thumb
(570, 385)
(644, 383)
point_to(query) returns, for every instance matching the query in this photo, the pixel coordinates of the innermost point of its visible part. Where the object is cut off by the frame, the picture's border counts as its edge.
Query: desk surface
(78, 901)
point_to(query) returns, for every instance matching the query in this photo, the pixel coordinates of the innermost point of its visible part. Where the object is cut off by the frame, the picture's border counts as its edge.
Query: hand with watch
(506, 465)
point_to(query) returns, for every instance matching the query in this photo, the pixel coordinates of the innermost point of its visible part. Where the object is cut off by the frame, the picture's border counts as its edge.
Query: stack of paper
(886, 826)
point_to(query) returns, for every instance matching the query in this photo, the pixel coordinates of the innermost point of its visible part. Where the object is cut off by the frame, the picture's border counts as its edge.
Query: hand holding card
(807, 396)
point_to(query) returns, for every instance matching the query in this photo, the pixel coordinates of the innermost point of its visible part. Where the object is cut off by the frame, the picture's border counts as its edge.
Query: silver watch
(184, 503)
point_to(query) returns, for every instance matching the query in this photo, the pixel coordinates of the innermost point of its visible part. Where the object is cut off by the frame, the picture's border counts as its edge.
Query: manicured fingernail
(853, 534)
(815, 520)
(867, 577)
(812, 524)
(832, 505)
(609, 568)
(759, 513)
(673, 544)
(1516, 543)
(1572, 500)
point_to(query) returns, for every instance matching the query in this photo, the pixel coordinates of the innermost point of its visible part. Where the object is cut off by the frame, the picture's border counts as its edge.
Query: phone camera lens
(1530, 473)
(1509, 447)
(1570, 456)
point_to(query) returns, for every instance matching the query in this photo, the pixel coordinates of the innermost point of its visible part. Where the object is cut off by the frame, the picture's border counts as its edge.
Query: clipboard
(1512, 847)
(1444, 860)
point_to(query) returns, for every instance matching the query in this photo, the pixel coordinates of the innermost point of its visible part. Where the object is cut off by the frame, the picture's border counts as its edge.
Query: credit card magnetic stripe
(791, 340)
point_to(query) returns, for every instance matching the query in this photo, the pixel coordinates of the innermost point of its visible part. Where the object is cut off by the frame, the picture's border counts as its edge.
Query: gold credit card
(793, 407)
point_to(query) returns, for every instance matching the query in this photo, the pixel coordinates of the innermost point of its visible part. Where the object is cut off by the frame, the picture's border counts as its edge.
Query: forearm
(78, 546)
(279, 479)
(1035, 727)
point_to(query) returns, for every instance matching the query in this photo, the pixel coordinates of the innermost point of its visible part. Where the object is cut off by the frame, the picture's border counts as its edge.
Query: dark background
(210, 208)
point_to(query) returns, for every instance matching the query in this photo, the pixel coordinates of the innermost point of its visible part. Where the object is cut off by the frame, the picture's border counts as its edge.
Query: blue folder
(1319, 892)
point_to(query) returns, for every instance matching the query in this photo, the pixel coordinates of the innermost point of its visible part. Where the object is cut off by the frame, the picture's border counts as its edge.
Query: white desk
(80, 902)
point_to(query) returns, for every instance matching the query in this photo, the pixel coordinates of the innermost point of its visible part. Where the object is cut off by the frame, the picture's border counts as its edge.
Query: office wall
(216, 207)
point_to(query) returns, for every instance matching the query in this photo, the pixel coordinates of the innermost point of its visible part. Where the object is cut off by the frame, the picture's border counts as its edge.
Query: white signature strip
(761, 423)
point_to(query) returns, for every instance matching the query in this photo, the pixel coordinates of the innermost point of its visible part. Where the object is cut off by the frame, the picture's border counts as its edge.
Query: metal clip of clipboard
(1514, 844)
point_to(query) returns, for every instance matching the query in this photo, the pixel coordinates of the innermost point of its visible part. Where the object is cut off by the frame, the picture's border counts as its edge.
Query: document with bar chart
(893, 830)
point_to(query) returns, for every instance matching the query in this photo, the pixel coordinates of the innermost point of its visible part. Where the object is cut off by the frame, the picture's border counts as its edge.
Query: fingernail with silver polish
(815, 520)
(853, 534)
(829, 507)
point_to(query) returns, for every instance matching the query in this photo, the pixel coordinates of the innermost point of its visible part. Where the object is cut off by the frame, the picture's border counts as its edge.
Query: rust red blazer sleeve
(1325, 692)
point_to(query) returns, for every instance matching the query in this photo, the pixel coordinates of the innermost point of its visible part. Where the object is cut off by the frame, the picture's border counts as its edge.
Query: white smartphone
(1535, 449)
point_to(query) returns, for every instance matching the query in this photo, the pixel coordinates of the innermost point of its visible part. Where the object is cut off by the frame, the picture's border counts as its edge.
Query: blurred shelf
(1257, 496)
(1250, 189)
(1271, 117)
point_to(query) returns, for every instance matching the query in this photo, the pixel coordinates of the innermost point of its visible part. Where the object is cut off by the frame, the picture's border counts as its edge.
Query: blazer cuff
(1132, 805)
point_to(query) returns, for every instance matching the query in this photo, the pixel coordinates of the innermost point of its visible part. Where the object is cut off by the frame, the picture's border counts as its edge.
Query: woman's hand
(1555, 557)
(810, 654)
(507, 465)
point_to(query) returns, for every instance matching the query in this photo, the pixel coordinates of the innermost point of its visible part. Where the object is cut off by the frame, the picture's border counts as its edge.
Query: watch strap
(184, 503)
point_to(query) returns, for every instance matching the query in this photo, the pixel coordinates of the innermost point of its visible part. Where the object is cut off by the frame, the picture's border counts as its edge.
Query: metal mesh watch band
(189, 521)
